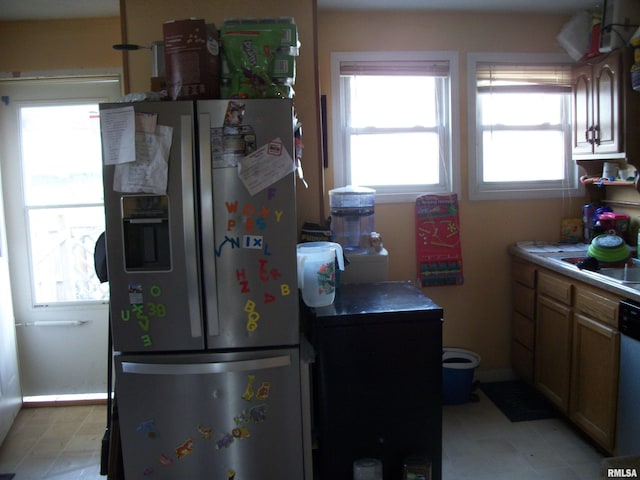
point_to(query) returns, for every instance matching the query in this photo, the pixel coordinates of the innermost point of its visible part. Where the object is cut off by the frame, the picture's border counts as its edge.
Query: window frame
(516, 190)
(450, 181)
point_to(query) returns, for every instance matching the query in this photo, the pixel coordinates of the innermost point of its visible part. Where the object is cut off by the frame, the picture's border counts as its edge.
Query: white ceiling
(49, 9)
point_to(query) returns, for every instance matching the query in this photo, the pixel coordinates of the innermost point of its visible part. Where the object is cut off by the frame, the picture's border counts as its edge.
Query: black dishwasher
(377, 379)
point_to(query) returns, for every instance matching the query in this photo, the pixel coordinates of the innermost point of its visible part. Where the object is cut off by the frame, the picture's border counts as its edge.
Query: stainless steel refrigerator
(203, 288)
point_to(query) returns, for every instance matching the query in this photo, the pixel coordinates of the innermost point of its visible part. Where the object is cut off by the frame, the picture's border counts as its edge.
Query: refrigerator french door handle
(138, 368)
(189, 224)
(207, 224)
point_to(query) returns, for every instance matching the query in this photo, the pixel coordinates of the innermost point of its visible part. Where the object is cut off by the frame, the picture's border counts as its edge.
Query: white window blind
(392, 122)
(519, 113)
(395, 67)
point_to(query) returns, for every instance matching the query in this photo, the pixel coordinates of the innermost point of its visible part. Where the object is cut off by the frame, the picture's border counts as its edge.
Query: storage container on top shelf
(352, 216)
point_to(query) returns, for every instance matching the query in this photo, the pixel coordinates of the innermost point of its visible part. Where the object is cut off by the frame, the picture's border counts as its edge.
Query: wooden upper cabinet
(605, 111)
(597, 124)
(607, 122)
(582, 105)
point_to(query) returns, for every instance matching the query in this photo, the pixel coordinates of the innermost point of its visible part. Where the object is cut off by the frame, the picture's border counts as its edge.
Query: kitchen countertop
(547, 254)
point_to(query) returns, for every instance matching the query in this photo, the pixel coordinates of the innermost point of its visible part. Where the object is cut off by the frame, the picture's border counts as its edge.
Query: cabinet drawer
(601, 306)
(554, 286)
(524, 300)
(523, 330)
(522, 361)
(524, 273)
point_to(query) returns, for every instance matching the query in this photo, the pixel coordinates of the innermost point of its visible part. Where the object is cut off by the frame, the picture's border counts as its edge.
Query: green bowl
(609, 248)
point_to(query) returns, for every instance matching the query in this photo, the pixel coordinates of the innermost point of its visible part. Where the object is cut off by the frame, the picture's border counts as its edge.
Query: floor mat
(518, 401)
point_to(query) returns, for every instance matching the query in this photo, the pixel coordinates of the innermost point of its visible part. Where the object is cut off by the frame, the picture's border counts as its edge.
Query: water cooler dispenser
(352, 226)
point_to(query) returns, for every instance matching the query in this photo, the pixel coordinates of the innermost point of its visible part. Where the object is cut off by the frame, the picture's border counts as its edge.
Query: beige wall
(29, 46)
(477, 314)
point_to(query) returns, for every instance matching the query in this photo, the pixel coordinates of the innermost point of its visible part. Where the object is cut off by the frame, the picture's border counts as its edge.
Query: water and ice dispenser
(145, 226)
(352, 226)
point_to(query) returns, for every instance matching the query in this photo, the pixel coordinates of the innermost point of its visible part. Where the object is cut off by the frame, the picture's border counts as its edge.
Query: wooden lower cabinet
(595, 364)
(594, 384)
(576, 355)
(553, 351)
(523, 319)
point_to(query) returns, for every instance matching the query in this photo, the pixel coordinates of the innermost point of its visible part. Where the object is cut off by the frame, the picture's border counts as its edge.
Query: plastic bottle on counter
(635, 68)
(587, 221)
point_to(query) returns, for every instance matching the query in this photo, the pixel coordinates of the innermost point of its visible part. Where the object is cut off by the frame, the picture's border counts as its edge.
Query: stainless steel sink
(628, 274)
(572, 260)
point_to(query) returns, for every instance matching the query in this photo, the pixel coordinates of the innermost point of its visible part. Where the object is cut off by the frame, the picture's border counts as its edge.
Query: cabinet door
(582, 111)
(379, 393)
(524, 300)
(594, 382)
(607, 124)
(553, 350)
(522, 361)
(522, 318)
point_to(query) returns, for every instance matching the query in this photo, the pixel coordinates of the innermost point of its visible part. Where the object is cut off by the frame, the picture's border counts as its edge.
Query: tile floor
(57, 443)
(479, 443)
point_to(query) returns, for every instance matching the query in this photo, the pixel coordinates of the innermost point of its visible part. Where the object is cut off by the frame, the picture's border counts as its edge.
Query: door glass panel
(61, 155)
(62, 178)
(62, 242)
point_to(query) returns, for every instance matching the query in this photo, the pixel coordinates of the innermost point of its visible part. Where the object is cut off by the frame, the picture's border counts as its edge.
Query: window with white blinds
(392, 117)
(520, 126)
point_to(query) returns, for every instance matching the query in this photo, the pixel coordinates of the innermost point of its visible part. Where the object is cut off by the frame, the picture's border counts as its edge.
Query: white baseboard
(65, 400)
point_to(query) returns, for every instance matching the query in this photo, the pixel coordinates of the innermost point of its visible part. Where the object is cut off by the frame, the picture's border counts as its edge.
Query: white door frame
(10, 392)
(68, 354)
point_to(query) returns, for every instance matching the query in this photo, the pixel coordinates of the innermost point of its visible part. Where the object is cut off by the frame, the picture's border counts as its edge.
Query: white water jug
(316, 271)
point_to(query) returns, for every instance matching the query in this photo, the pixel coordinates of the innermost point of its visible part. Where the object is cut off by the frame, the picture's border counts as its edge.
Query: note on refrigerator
(118, 135)
(149, 172)
(265, 166)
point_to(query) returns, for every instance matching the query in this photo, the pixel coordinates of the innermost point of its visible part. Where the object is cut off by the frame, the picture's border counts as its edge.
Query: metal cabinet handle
(139, 368)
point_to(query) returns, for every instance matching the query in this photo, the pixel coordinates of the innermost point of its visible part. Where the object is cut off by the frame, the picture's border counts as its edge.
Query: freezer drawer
(223, 415)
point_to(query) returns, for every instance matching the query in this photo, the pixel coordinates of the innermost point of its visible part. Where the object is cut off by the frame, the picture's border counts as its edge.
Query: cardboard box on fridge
(192, 59)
